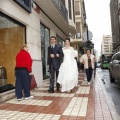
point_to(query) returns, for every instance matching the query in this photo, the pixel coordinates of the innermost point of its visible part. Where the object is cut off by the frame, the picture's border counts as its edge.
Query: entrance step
(7, 95)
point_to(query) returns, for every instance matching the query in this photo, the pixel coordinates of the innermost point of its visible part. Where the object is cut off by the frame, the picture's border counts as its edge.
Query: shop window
(26, 4)
(12, 36)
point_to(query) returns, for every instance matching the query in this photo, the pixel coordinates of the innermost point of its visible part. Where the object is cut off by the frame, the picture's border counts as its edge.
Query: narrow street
(112, 89)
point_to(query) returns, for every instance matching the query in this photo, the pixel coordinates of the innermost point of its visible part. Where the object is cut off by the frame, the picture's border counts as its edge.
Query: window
(26, 4)
(69, 6)
(63, 1)
(118, 57)
(78, 35)
(73, 11)
(12, 34)
(114, 57)
(77, 11)
(78, 30)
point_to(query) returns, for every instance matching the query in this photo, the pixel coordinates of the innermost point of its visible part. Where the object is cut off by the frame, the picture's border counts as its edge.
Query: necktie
(52, 48)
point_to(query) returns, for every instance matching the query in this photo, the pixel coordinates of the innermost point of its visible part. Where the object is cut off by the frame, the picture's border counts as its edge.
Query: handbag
(33, 82)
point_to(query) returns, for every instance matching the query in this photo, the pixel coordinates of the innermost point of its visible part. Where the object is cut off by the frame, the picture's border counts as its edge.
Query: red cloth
(23, 60)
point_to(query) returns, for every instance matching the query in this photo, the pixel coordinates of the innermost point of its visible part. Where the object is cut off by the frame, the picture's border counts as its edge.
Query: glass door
(45, 38)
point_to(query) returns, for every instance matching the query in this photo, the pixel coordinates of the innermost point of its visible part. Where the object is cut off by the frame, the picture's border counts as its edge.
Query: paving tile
(82, 103)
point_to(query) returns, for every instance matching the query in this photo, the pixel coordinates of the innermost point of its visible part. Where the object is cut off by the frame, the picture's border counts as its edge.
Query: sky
(98, 20)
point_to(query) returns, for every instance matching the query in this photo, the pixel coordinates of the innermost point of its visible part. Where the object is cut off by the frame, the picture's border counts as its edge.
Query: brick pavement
(85, 102)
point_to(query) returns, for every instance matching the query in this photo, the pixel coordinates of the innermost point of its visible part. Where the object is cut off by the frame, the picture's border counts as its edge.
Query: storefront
(12, 35)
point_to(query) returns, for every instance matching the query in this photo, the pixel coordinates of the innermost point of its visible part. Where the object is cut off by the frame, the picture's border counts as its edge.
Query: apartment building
(115, 23)
(80, 20)
(33, 22)
(106, 45)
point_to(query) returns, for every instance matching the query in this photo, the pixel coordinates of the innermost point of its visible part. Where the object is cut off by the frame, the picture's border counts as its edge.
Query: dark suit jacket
(56, 61)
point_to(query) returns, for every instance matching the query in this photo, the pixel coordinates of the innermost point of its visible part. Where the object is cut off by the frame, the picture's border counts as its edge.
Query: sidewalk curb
(109, 101)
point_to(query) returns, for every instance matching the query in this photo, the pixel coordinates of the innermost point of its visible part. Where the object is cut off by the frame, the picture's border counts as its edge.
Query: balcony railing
(62, 8)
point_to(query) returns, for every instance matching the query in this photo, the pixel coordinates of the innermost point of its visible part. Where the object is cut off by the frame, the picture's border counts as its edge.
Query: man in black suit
(55, 54)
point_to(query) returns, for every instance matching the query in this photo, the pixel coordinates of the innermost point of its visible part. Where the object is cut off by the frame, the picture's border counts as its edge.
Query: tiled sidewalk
(83, 103)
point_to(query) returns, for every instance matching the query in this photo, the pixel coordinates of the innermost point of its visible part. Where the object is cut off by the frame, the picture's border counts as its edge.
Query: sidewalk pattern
(84, 102)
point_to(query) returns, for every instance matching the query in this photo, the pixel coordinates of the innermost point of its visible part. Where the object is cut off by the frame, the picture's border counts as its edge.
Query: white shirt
(52, 45)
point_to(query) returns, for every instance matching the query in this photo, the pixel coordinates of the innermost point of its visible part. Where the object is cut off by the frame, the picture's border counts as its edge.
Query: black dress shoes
(50, 91)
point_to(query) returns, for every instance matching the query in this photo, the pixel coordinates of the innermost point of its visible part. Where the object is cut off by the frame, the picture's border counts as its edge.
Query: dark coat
(56, 61)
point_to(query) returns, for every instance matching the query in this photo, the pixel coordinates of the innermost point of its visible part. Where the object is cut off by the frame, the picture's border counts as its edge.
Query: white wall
(53, 28)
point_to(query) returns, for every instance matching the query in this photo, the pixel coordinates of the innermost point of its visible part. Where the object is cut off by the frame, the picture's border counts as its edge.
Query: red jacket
(23, 60)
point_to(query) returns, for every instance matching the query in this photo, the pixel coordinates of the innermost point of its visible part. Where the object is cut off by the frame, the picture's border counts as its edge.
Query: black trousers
(52, 77)
(89, 72)
(22, 83)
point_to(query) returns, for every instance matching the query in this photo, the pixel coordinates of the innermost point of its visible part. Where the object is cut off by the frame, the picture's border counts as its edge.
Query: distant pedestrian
(88, 60)
(23, 73)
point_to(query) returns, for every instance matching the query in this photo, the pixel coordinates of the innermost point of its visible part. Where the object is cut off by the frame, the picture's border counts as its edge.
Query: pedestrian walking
(55, 54)
(88, 60)
(23, 73)
(68, 72)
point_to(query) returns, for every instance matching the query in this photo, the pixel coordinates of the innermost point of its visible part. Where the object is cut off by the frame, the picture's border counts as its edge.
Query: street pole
(87, 34)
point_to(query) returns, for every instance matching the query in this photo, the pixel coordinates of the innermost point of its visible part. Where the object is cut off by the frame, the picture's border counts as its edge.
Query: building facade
(80, 20)
(28, 21)
(115, 23)
(106, 45)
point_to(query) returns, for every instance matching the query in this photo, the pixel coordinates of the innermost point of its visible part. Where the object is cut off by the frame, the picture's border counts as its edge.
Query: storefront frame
(9, 85)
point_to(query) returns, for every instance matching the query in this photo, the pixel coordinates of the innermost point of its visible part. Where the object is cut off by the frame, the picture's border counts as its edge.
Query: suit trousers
(52, 77)
(22, 82)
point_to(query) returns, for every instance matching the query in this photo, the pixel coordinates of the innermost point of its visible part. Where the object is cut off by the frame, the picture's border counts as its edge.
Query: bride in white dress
(68, 72)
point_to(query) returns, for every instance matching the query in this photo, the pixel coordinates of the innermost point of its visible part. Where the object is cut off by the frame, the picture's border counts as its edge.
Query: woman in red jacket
(23, 72)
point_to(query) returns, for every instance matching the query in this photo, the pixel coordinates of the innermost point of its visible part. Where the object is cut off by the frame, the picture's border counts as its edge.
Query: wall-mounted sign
(37, 9)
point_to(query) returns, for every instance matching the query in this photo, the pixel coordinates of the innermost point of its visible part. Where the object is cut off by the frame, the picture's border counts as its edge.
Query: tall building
(106, 46)
(33, 22)
(80, 20)
(115, 23)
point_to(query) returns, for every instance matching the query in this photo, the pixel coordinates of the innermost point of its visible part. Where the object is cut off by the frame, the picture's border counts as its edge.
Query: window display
(12, 35)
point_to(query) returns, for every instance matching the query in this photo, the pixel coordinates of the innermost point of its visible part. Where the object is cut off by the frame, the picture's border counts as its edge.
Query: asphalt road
(112, 89)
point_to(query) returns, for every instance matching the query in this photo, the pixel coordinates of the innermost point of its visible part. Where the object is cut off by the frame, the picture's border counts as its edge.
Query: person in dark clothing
(23, 72)
(55, 54)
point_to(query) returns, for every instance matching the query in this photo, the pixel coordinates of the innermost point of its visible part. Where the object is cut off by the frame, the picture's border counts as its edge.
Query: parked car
(114, 69)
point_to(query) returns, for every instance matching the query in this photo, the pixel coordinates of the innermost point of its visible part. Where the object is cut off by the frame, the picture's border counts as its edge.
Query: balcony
(58, 13)
(62, 8)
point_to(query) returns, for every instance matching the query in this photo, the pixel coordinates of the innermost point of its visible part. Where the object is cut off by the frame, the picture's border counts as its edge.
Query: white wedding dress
(68, 72)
